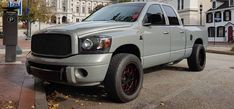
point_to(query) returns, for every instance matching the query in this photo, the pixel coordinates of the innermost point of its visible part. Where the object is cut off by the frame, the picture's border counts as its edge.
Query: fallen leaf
(66, 97)
(76, 101)
(9, 102)
(9, 107)
(33, 107)
(162, 104)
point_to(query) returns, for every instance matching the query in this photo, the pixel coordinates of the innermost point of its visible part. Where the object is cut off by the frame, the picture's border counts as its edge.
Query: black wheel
(197, 60)
(124, 78)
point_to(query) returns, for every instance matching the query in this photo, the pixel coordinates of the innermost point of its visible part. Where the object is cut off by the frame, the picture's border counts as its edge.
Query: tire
(124, 78)
(197, 60)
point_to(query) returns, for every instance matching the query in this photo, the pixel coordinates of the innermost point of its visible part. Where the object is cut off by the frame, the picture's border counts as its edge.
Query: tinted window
(155, 15)
(118, 12)
(172, 17)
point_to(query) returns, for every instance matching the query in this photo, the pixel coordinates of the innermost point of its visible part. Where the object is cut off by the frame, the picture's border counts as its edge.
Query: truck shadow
(60, 93)
(164, 67)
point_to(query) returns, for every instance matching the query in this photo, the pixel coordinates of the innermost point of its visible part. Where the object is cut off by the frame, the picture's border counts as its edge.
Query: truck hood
(87, 27)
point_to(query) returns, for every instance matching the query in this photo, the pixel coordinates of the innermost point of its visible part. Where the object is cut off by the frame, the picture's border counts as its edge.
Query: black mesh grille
(51, 45)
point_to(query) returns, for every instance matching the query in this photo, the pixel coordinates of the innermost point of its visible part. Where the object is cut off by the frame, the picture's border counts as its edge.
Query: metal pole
(201, 8)
(200, 17)
(28, 22)
(39, 25)
(214, 28)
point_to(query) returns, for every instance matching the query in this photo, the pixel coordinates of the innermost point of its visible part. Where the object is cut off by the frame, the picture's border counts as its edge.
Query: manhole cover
(231, 67)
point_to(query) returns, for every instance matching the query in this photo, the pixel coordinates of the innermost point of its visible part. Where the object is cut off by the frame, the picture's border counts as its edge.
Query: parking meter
(10, 32)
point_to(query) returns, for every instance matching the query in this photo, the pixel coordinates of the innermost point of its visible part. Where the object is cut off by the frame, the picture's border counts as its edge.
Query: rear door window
(172, 17)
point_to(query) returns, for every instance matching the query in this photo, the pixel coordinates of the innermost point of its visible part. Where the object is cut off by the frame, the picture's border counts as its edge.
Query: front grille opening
(59, 74)
(49, 67)
(51, 45)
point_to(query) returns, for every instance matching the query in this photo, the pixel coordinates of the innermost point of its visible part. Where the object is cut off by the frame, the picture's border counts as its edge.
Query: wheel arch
(128, 48)
(198, 41)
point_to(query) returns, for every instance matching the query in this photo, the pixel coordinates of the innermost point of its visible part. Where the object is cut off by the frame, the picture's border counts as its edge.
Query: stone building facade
(67, 11)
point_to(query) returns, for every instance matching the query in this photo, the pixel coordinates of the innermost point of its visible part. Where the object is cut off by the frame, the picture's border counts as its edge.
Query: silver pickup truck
(112, 46)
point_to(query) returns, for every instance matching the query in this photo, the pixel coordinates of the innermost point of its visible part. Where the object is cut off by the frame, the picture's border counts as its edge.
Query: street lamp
(201, 8)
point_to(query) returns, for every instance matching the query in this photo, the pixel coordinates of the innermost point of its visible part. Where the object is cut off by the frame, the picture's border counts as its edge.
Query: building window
(227, 15)
(83, 10)
(180, 4)
(77, 20)
(64, 8)
(182, 20)
(221, 31)
(77, 9)
(218, 17)
(209, 18)
(90, 10)
(231, 2)
(211, 32)
(214, 5)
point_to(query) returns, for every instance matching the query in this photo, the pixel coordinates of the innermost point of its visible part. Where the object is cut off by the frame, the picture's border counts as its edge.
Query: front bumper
(79, 70)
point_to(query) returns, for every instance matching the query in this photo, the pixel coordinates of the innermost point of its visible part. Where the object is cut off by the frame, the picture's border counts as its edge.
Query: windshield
(118, 12)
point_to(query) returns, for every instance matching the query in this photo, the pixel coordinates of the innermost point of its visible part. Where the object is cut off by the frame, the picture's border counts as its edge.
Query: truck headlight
(95, 44)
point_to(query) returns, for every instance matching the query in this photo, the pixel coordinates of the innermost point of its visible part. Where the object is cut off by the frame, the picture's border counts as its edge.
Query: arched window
(64, 19)
(227, 15)
(209, 18)
(211, 32)
(221, 31)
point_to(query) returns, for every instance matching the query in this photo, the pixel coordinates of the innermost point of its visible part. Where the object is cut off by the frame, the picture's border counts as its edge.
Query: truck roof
(140, 2)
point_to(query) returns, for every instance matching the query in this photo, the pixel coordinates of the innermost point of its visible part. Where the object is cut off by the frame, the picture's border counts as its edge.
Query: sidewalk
(220, 48)
(18, 89)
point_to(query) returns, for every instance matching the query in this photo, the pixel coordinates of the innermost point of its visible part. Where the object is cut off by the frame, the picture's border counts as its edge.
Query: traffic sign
(16, 4)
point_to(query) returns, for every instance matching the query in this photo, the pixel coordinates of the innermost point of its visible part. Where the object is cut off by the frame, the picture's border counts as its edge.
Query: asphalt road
(172, 87)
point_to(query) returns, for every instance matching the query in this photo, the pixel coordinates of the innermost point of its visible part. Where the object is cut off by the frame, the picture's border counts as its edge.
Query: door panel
(156, 37)
(177, 42)
(178, 39)
(156, 45)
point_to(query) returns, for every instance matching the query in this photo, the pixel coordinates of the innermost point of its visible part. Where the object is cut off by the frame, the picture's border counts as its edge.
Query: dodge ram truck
(112, 46)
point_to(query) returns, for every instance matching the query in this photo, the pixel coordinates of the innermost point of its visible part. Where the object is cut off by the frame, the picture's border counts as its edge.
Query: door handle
(181, 31)
(165, 32)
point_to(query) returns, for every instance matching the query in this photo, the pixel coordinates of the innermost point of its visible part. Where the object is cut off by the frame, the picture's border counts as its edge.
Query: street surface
(172, 87)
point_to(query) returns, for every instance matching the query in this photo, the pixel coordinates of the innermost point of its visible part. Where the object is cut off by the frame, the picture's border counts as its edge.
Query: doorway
(230, 34)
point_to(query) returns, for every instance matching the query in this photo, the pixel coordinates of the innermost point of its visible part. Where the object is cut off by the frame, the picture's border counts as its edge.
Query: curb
(2, 51)
(40, 96)
(221, 52)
